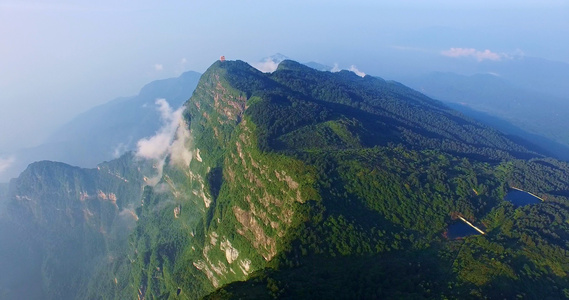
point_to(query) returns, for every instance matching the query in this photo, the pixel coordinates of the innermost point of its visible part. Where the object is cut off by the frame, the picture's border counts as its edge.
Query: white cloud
(158, 67)
(352, 68)
(335, 68)
(5, 163)
(119, 150)
(155, 147)
(172, 139)
(165, 110)
(183, 61)
(358, 72)
(128, 214)
(267, 66)
(471, 52)
(180, 154)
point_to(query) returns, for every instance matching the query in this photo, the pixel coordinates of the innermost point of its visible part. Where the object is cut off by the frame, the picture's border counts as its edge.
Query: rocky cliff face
(233, 202)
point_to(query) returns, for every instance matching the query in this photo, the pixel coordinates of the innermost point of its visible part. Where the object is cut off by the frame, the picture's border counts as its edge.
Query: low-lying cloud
(352, 68)
(128, 214)
(358, 72)
(266, 66)
(170, 140)
(119, 150)
(336, 68)
(5, 163)
(155, 147)
(180, 155)
(471, 52)
(269, 64)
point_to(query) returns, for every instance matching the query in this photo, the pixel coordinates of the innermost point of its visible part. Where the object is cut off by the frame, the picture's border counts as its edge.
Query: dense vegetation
(307, 184)
(487, 95)
(393, 169)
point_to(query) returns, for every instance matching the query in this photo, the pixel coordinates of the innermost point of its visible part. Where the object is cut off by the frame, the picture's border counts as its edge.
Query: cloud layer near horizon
(471, 52)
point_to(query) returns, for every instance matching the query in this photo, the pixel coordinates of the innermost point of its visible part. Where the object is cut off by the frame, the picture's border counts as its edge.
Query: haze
(61, 58)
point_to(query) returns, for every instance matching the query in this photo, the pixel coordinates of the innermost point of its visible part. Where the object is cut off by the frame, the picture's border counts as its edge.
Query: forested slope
(308, 184)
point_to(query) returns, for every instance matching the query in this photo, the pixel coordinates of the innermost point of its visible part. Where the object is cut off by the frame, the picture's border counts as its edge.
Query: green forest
(302, 184)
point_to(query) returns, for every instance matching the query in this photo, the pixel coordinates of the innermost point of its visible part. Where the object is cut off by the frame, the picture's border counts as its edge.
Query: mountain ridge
(340, 181)
(532, 111)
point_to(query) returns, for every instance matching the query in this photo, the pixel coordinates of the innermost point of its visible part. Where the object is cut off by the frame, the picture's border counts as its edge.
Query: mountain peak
(294, 65)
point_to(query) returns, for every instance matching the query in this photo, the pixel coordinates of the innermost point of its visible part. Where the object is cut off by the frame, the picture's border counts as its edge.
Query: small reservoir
(459, 230)
(521, 198)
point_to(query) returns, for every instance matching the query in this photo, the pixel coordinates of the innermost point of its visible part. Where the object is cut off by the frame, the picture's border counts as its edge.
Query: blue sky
(59, 58)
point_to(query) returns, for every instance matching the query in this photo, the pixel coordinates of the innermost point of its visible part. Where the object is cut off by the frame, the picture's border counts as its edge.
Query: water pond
(460, 229)
(521, 198)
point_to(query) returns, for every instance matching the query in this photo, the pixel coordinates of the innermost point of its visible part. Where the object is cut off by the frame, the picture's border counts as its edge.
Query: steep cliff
(228, 207)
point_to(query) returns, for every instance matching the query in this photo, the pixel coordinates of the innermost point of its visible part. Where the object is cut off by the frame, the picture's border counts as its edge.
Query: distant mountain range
(521, 96)
(531, 73)
(536, 116)
(109, 130)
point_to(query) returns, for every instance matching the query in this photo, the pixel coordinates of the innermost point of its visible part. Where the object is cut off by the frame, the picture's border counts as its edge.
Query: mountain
(549, 146)
(109, 130)
(536, 113)
(270, 63)
(536, 74)
(132, 118)
(276, 58)
(3, 195)
(531, 73)
(61, 223)
(308, 184)
(318, 66)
